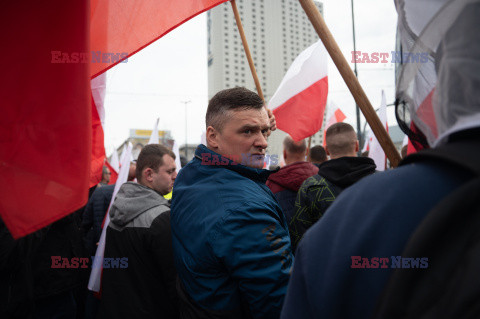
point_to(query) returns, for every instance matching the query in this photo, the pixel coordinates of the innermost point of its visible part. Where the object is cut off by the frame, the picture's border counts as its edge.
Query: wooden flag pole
(308, 146)
(247, 50)
(352, 82)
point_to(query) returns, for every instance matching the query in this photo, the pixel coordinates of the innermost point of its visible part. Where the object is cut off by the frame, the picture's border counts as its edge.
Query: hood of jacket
(291, 176)
(132, 200)
(345, 171)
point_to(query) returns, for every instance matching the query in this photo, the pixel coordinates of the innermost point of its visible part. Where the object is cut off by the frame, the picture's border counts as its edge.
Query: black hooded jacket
(318, 192)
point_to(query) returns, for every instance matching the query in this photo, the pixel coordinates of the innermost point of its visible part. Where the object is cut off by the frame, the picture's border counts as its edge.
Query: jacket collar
(210, 158)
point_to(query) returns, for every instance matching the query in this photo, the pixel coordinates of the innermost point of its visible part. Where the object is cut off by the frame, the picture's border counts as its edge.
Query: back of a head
(151, 156)
(341, 140)
(293, 151)
(225, 101)
(317, 154)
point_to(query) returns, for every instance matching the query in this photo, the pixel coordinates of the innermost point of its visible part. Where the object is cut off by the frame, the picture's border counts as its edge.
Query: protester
(285, 183)
(343, 169)
(95, 211)
(377, 216)
(230, 238)
(317, 155)
(138, 270)
(106, 174)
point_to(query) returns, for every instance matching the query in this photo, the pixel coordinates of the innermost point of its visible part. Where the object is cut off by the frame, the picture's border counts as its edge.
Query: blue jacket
(373, 218)
(94, 215)
(230, 238)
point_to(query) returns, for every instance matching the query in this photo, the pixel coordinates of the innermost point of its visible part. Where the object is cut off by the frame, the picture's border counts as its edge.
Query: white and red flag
(94, 283)
(299, 102)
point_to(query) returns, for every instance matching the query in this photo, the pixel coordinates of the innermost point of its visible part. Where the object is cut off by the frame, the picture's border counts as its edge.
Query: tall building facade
(276, 30)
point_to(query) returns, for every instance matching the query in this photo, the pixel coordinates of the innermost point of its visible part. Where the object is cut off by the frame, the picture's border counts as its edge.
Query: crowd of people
(326, 235)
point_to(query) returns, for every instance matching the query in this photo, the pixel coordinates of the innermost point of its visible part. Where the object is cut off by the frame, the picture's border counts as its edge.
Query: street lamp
(186, 144)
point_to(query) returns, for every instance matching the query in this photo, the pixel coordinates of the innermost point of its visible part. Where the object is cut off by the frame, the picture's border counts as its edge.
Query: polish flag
(94, 282)
(376, 151)
(299, 102)
(45, 127)
(336, 117)
(98, 86)
(115, 162)
(113, 173)
(133, 25)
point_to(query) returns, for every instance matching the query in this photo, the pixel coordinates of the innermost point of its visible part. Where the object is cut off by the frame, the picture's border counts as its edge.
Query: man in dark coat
(342, 170)
(138, 268)
(285, 183)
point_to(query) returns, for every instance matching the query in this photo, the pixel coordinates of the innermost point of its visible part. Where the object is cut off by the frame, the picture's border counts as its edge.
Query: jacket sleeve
(255, 248)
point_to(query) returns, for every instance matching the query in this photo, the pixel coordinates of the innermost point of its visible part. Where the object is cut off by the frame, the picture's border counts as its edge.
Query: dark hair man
(424, 201)
(317, 155)
(139, 274)
(342, 170)
(230, 238)
(285, 183)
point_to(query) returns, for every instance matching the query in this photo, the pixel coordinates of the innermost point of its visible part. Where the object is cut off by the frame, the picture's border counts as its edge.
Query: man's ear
(284, 155)
(147, 174)
(327, 151)
(211, 136)
(357, 147)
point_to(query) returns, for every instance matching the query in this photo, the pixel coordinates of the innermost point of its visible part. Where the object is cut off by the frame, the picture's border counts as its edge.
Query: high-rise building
(276, 30)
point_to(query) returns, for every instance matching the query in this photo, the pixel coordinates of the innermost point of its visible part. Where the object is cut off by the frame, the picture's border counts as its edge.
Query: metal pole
(186, 144)
(359, 132)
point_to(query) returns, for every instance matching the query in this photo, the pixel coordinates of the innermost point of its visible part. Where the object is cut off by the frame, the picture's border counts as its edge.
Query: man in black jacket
(343, 169)
(138, 269)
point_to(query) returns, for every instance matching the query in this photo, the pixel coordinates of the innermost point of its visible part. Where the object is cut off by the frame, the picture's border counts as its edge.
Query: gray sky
(155, 81)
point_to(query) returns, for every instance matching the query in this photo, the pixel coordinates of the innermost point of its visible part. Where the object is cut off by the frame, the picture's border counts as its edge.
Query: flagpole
(308, 147)
(352, 82)
(246, 49)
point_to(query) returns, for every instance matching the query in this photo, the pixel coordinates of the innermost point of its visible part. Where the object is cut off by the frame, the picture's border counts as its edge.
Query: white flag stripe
(95, 275)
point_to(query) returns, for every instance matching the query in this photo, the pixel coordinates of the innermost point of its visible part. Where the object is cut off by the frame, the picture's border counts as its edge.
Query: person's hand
(273, 123)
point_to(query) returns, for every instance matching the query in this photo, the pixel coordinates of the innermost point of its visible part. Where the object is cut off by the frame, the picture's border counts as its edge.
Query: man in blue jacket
(230, 238)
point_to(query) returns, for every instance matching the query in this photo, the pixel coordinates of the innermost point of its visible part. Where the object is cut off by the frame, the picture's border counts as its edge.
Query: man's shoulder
(315, 181)
(148, 218)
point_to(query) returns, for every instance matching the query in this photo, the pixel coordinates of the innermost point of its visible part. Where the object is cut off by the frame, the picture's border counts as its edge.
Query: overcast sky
(155, 81)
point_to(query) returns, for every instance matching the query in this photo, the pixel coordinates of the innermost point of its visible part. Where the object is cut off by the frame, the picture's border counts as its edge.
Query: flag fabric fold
(45, 128)
(132, 25)
(300, 100)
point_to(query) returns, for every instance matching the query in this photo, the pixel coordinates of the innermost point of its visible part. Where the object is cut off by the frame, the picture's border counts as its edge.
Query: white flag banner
(154, 137)
(94, 282)
(376, 151)
(115, 163)
(176, 151)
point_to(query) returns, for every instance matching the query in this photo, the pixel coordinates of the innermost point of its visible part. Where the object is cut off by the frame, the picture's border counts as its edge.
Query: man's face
(163, 178)
(243, 137)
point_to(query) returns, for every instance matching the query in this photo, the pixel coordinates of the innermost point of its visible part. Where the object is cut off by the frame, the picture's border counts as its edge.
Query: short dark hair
(317, 154)
(237, 98)
(293, 147)
(340, 138)
(151, 156)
